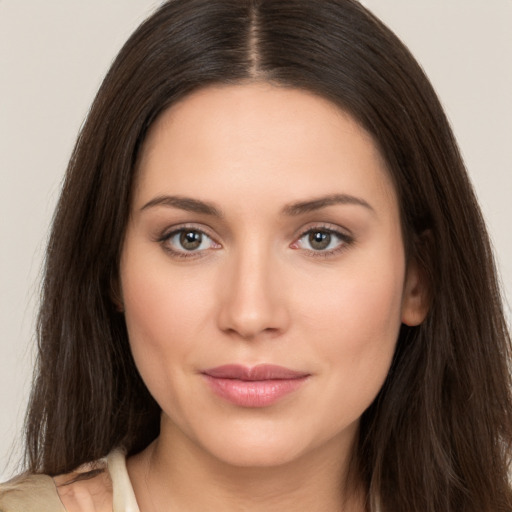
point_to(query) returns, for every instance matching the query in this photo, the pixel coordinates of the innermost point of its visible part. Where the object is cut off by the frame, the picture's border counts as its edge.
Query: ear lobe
(416, 296)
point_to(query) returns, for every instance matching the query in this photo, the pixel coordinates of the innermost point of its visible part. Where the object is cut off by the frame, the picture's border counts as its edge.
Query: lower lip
(257, 393)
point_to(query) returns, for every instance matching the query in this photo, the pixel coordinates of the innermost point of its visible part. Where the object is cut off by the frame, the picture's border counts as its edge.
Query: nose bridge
(252, 301)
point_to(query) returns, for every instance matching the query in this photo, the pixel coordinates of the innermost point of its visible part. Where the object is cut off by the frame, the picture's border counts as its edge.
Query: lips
(259, 386)
(259, 372)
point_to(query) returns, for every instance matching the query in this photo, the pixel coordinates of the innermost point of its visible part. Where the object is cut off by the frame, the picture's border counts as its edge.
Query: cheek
(357, 320)
(365, 294)
(163, 316)
(361, 320)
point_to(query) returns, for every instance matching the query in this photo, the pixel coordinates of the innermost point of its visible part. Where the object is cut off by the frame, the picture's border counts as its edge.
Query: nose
(253, 298)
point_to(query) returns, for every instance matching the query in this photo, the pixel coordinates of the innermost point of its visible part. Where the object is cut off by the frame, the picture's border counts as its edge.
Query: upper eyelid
(324, 226)
(209, 232)
(170, 231)
(344, 237)
(165, 241)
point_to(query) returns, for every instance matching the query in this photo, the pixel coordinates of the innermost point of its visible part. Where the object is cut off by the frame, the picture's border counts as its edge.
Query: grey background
(53, 55)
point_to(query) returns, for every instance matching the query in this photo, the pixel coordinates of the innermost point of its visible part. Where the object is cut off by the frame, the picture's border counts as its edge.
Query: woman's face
(264, 231)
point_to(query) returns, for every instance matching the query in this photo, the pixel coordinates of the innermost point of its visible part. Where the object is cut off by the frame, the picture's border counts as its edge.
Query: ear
(416, 296)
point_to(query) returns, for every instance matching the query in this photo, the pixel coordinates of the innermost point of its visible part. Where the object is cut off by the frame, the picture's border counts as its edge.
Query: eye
(326, 241)
(188, 241)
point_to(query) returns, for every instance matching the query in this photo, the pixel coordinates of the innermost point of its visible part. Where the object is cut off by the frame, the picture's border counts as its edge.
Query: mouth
(257, 386)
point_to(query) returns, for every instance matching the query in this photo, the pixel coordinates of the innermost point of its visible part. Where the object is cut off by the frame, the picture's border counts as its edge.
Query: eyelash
(344, 239)
(183, 254)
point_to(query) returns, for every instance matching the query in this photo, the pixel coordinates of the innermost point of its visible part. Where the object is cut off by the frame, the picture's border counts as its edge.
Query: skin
(257, 291)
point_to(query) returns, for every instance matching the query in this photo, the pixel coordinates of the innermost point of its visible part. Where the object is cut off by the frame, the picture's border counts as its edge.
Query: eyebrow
(294, 209)
(302, 207)
(184, 203)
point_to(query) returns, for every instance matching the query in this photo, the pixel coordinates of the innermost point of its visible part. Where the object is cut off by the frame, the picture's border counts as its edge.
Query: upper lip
(258, 372)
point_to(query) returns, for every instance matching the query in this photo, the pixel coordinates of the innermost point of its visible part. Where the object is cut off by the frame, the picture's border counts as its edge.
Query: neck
(168, 475)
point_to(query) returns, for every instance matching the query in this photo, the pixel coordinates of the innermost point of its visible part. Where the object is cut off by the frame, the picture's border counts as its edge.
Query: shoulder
(30, 493)
(88, 489)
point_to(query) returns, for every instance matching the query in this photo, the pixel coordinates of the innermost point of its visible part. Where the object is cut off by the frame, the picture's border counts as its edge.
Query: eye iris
(190, 240)
(319, 239)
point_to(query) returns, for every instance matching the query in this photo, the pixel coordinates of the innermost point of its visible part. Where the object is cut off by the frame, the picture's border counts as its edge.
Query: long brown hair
(438, 436)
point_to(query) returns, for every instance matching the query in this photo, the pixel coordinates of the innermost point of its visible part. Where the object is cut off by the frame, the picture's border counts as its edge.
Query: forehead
(262, 141)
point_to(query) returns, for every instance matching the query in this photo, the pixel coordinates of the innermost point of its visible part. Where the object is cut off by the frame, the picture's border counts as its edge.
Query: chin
(251, 443)
(261, 455)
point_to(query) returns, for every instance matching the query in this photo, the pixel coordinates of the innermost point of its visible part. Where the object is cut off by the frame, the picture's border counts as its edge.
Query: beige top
(109, 490)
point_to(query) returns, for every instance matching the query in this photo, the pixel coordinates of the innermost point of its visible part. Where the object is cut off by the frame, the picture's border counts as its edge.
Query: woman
(268, 274)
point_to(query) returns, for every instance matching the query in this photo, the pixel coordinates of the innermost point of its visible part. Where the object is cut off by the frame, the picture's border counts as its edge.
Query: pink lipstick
(259, 386)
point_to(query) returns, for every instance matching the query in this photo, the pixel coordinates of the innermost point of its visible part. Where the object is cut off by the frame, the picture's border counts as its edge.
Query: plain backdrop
(53, 55)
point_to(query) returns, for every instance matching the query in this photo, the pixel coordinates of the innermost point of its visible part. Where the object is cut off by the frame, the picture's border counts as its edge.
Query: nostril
(249, 324)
